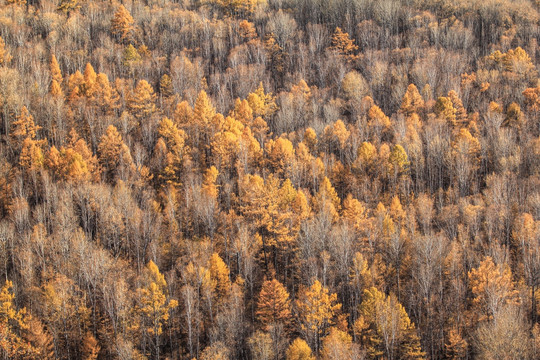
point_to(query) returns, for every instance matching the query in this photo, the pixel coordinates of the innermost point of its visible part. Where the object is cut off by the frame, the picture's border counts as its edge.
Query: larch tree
(203, 125)
(209, 186)
(337, 345)
(262, 104)
(65, 313)
(68, 6)
(385, 328)
(142, 102)
(122, 24)
(154, 306)
(31, 157)
(412, 101)
(526, 236)
(90, 78)
(280, 155)
(75, 162)
(233, 7)
(219, 272)
(274, 305)
(327, 200)
(344, 45)
(5, 56)
(398, 162)
(166, 89)
(260, 344)
(114, 156)
(54, 69)
(317, 311)
(13, 323)
(444, 109)
(492, 288)
(299, 350)
(23, 128)
(456, 346)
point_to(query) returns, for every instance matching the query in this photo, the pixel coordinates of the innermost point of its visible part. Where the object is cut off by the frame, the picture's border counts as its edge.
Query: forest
(269, 179)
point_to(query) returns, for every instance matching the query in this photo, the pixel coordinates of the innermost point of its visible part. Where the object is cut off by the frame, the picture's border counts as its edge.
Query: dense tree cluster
(269, 179)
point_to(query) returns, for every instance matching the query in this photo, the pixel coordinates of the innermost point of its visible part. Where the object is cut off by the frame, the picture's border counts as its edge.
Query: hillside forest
(269, 179)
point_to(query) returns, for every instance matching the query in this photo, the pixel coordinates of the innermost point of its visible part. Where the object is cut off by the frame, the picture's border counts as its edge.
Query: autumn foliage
(252, 179)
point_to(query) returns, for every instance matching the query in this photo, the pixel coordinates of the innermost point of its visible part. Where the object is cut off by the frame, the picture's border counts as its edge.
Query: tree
(260, 344)
(327, 199)
(461, 112)
(299, 350)
(89, 83)
(337, 345)
(232, 7)
(317, 311)
(456, 346)
(445, 110)
(209, 186)
(131, 57)
(114, 156)
(465, 156)
(398, 162)
(5, 56)
(76, 162)
(344, 45)
(104, 97)
(154, 305)
(23, 128)
(216, 351)
(90, 347)
(492, 288)
(219, 272)
(203, 126)
(65, 314)
(385, 327)
(122, 24)
(13, 322)
(526, 237)
(412, 101)
(273, 305)
(280, 155)
(31, 158)
(355, 88)
(54, 69)
(505, 336)
(141, 102)
(67, 6)
(261, 103)
(165, 86)
(172, 143)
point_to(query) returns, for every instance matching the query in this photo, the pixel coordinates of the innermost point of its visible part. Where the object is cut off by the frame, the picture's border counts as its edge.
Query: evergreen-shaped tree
(274, 304)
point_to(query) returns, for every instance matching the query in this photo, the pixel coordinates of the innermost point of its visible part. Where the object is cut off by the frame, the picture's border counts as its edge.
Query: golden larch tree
(114, 156)
(274, 305)
(154, 305)
(13, 323)
(344, 45)
(337, 345)
(299, 350)
(142, 102)
(412, 101)
(317, 311)
(5, 56)
(385, 328)
(492, 288)
(122, 24)
(219, 272)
